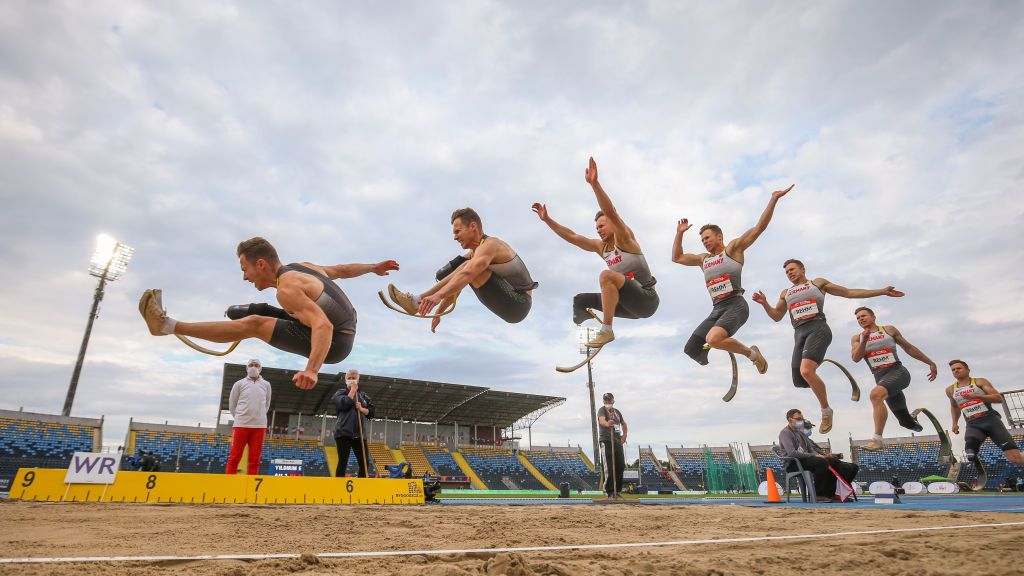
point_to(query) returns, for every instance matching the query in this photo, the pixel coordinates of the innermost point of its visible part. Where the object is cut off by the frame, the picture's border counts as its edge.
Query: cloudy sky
(348, 132)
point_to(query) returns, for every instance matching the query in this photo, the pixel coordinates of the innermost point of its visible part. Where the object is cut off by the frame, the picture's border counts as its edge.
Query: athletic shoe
(759, 361)
(824, 500)
(826, 423)
(404, 300)
(603, 337)
(152, 310)
(873, 445)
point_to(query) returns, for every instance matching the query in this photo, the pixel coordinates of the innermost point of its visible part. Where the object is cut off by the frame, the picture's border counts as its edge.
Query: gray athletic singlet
(632, 266)
(332, 300)
(722, 276)
(880, 351)
(515, 272)
(971, 408)
(806, 302)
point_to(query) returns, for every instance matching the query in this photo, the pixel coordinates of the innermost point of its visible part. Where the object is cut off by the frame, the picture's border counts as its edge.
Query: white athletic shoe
(404, 300)
(873, 445)
(603, 337)
(759, 361)
(152, 309)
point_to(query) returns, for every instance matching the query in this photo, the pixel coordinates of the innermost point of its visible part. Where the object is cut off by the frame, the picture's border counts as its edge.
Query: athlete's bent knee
(808, 371)
(878, 394)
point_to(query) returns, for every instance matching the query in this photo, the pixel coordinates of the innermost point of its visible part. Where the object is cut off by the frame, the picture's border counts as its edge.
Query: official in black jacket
(350, 431)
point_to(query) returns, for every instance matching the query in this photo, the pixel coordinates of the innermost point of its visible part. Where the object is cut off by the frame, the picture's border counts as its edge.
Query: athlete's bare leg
(611, 283)
(261, 327)
(1014, 456)
(719, 339)
(879, 410)
(809, 370)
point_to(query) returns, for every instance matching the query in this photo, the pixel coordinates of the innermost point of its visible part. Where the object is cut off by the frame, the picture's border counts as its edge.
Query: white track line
(491, 550)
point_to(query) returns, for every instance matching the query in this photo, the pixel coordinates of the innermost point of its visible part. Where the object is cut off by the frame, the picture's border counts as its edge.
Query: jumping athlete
(973, 397)
(876, 345)
(723, 269)
(317, 320)
(494, 270)
(805, 302)
(627, 286)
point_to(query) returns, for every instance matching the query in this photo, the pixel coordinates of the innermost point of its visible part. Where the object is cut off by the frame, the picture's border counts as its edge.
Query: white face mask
(352, 382)
(253, 372)
(807, 432)
(608, 406)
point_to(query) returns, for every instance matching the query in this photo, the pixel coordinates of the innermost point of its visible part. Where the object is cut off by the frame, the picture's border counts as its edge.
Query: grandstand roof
(400, 398)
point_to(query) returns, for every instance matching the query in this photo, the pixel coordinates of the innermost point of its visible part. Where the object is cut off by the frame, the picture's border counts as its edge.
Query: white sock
(877, 437)
(416, 299)
(606, 327)
(826, 411)
(168, 327)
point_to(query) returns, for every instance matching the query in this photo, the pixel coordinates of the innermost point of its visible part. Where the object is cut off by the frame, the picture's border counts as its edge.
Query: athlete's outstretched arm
(580, 241)
(777, 312)
(679, 256)
(844, 292)
(605, 203)
(748, 237)
(295, 301)
(914, 352)
(463, 275)
(341, 271)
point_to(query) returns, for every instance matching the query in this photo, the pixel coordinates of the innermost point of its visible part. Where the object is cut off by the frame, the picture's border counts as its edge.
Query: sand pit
(49, 530)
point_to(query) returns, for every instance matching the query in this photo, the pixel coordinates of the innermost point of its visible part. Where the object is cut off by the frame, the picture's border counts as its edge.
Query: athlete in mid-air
(627, 286)
(876, 345)
(316, 319)
(805, 303)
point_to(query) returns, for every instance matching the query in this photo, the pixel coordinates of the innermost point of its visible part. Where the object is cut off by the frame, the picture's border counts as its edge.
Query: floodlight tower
(108, 263)
(585, 336)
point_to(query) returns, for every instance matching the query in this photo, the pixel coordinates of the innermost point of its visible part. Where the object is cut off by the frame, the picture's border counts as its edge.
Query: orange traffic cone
(773, 489)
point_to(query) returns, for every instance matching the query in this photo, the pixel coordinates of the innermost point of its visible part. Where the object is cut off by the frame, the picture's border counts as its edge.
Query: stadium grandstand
(28, 439)
(653, 475)
(568, 465)
(908, 458)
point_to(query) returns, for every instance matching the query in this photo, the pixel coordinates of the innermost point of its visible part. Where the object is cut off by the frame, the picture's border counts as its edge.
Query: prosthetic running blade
(855, 396)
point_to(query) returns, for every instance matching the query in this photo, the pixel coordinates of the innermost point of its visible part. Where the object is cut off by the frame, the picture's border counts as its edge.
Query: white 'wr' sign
(91, 468)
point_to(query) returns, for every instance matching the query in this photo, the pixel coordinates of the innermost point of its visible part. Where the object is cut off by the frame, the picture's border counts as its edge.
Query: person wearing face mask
(353, 408)
(613, 435)
(249, 403)
(796, 443)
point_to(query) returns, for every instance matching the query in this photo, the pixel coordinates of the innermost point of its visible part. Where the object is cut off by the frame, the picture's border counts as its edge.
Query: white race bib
(970, 407)
(719, 287)
(881, 358)
(803, 310)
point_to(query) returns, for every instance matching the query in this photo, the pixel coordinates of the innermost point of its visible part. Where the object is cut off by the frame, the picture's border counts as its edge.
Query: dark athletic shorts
(507, 303)
(988, 426)
(730, 314)
(894, 379)
(295, 337)
(635, 301)
(811, 341)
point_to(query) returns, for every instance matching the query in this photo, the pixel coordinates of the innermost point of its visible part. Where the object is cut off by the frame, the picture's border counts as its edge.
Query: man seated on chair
(796, 443)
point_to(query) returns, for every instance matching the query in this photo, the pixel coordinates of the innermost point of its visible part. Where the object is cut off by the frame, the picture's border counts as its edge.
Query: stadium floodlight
(110, 259)
(585, 335)
(109, 262)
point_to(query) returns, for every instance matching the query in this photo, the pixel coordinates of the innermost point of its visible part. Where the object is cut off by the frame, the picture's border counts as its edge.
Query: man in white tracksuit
(249, 404)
